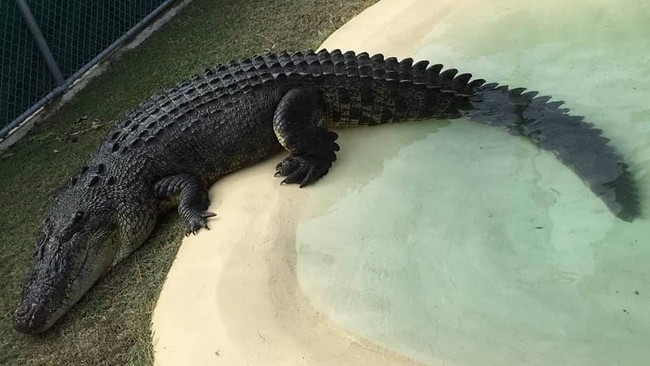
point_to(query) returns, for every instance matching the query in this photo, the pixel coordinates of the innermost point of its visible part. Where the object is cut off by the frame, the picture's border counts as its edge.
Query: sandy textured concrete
(392, 27)
(232, 298)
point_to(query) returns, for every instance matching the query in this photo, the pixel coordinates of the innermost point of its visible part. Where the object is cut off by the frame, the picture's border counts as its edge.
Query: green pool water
(458, 244)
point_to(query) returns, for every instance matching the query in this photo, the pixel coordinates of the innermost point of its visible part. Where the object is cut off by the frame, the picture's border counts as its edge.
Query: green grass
(111, 324)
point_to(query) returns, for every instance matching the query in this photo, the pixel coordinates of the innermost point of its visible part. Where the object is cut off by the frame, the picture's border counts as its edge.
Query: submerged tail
(575, 142)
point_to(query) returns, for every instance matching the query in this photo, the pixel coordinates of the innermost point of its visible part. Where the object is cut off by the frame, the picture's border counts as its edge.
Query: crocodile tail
(575, 142)
(360, 89)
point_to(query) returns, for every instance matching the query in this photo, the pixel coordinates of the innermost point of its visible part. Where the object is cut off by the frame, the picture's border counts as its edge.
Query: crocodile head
(75, 246)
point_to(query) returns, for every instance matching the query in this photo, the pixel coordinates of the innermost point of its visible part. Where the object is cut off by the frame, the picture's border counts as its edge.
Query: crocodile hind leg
(296, 125)
(192, 199)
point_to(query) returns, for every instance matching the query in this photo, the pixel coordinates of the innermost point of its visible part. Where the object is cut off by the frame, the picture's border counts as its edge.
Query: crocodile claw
(198, 221)
(303, 170)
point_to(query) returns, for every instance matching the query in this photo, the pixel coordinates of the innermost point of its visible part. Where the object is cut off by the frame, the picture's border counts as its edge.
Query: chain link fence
(48, 44)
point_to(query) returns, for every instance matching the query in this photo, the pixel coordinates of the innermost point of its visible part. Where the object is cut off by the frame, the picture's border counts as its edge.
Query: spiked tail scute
(576, 143)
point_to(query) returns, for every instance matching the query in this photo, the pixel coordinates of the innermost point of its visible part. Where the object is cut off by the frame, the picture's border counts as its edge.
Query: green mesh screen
(75, 30)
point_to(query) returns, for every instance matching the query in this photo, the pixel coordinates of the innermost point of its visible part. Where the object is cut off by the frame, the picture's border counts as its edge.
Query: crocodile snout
(30, 317)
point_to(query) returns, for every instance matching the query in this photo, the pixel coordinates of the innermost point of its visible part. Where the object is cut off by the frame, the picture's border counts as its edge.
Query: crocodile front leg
(192, 199)
(312, 148)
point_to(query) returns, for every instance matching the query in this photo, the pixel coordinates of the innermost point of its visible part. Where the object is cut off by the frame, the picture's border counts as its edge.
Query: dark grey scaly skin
(168, 150)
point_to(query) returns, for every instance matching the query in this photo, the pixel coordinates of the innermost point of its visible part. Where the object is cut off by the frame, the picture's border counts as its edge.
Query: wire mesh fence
(77, 33)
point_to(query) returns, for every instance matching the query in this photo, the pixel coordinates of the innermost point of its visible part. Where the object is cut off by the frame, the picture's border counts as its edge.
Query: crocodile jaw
(62, 271)
(45, 301)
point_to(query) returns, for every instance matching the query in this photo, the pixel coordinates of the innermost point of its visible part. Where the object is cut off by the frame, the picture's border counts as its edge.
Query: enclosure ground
(111, 324)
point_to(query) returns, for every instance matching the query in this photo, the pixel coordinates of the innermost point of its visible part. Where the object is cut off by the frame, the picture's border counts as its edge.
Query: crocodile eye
(77, 219)
(73, 226)
(67, 235)
(40, 238)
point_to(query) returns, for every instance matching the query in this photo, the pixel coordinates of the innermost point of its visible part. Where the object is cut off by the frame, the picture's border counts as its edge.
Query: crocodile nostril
(24, 309)
(28, 318)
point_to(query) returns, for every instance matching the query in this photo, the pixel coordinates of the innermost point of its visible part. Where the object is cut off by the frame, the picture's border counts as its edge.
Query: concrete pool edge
(249, 308)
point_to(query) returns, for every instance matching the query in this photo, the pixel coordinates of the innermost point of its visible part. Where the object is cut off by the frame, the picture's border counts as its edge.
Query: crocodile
(166, 152)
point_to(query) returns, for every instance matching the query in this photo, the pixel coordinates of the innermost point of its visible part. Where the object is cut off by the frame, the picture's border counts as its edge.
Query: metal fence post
(40, 41)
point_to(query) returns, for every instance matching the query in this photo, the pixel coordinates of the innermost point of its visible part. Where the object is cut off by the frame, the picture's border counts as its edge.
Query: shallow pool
(454, 242)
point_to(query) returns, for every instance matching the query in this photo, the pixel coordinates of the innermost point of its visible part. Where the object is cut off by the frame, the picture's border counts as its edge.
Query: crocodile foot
(313, 150)
(303, 169)
(195, 221)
